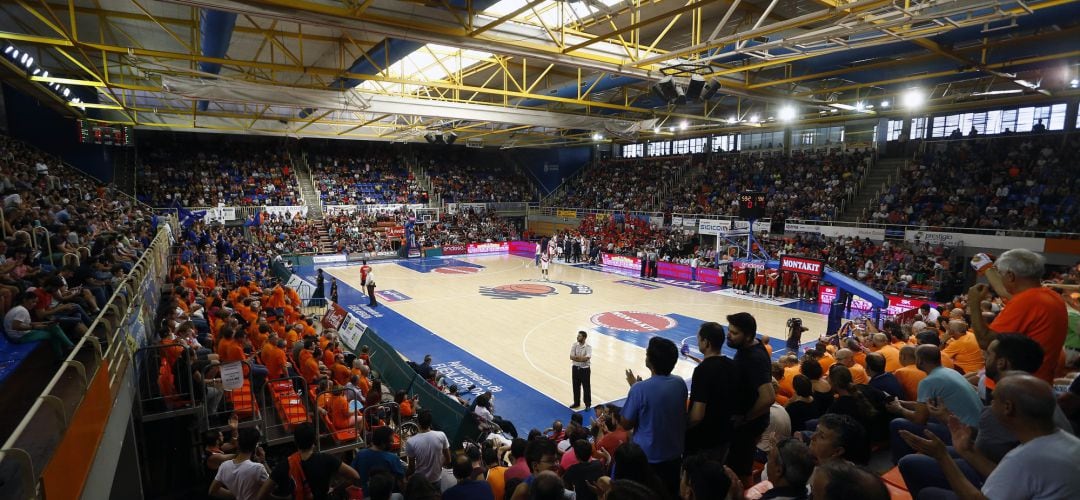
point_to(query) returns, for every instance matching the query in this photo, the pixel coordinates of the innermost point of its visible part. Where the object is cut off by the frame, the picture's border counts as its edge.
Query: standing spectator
(656, 411)
(712, 387)
(428, 451)
(1032, 310)
(518, 470)
(581, 373)
(1041, 467)
(754, 393)
(243, 476)
(496, 471)
(307, 473)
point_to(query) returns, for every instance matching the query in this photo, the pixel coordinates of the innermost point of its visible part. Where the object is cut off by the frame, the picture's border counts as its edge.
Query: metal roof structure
(535, 72)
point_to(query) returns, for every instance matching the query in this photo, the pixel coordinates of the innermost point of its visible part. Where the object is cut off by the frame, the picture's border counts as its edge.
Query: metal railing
(962, 230)
(31, 446)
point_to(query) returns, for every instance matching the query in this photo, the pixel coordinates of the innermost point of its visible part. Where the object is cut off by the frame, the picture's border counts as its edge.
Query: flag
(187, 217)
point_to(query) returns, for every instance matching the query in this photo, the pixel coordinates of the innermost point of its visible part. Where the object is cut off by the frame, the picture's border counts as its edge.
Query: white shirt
(426, 448)
(932, 316)
(578, 350)
(243, 479)
(1042, 468)
(18, 313)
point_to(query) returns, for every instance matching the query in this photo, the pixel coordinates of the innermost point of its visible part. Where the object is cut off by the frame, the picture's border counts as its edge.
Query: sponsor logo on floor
(532, 288)
(634, 321)
(392, 296)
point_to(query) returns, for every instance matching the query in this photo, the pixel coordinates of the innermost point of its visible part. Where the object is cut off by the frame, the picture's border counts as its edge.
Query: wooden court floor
(497, 308)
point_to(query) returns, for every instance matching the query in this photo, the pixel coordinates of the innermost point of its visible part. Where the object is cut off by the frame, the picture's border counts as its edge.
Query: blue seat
(12, 355)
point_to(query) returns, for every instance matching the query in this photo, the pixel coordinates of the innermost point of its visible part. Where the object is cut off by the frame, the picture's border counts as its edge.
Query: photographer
(795, 331)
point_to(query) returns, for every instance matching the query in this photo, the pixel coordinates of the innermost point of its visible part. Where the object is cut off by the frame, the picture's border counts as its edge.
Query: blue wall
(31, 121)
(550, 166)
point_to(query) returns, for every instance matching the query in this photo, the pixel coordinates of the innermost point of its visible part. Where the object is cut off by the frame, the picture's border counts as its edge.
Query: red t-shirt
(1038, 313)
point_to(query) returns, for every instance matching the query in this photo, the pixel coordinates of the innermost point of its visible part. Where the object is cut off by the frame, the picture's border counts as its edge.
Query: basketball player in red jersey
(740, 279)
(759, 281)
(364, 270)
(811, 287)
(788, 279)
(772, 279)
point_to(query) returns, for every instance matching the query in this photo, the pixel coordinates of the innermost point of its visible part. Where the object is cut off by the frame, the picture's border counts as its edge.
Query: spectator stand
(51, 451)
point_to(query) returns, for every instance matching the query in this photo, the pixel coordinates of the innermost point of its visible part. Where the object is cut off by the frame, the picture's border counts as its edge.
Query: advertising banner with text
(622, 261)
(454, 250)
(975, 240)
(500, 247)
(801, 265)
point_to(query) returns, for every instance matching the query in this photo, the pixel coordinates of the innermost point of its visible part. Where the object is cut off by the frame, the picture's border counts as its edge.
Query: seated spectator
(802, 407)
(839, 480)
(788, 469)
(908, 374)
(20, 329)
(963, 348)
(703, 478)
(1025, 405)
(942, 386)
(847, 358)
(839, 438)
(584, 471)
(882, 380)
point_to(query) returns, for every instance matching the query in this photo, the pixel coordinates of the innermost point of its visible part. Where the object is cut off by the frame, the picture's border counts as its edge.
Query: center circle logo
(634, 321)
(457, 270)
(526, 288)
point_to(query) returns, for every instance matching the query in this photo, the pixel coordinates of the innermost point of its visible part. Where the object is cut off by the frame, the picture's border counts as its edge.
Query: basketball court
(494, 323)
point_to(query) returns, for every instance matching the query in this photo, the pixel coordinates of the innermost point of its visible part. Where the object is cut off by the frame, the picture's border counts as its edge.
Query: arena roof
(533, 72)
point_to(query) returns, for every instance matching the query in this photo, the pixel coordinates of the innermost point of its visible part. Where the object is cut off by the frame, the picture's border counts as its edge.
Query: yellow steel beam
(155, 21)
(528, 5)
(690, 5)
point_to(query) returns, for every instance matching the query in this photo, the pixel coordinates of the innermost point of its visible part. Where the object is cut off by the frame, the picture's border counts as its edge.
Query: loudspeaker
(680, 96)
(711, 88)
(694, 88)
(430, 137)
(666, 89)
(450, 137)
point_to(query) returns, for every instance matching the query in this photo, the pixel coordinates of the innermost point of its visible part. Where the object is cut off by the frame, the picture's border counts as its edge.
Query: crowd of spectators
(69, 242)
(358, 231)
(477, 179)
(808, 186)
(230, 174)
(371, 176)
(288, 235)
(1004, 183)
(624, 184)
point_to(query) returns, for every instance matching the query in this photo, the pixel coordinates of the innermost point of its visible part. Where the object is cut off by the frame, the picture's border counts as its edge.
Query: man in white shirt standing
(243, 476)
(580, 354)
(428, 451)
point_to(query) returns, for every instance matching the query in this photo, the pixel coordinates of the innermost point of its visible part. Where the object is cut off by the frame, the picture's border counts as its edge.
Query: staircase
(307, 186)
(420, 174)
(326, 244)
(877, 179)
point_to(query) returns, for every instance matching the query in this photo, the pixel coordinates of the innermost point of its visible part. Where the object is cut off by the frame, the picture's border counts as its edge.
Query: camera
(794, 323)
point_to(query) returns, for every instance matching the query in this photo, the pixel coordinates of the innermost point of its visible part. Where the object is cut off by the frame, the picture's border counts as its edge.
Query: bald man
(963, 348)
(1043, 466)
(846, 357)
(908, 374)
(889, 351)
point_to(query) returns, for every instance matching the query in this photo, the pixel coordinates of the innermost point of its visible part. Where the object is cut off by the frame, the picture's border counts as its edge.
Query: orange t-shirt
(405, 408)
(860, 358)
(786, 385)
(858, 374)
(892, 358)
(309, 368)
(274, 361)
(1038, 313)
(496, 478)
(229, 350)
(965, 353)
(826, 361)
(339, 412)
(909, 378)
(340, 374)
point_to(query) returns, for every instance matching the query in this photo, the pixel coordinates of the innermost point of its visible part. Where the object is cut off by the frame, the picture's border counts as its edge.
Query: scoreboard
(752, 205)
(95, 133)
